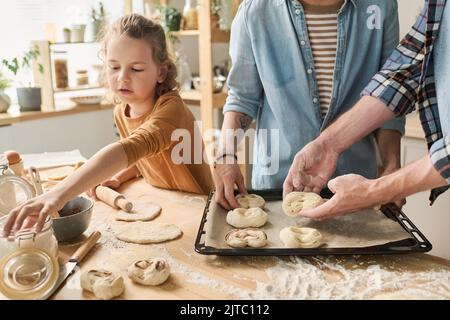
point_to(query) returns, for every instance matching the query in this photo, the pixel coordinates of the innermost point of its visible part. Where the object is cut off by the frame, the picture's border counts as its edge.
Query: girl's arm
(104, 164)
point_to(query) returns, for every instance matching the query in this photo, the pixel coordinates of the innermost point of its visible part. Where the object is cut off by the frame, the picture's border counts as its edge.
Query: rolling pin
(113, 198)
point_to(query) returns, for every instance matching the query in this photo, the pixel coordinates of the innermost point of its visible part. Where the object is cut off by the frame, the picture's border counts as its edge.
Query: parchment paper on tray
(361, 229)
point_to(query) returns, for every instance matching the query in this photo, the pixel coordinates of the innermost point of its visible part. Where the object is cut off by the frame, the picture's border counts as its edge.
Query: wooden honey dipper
(113, 198)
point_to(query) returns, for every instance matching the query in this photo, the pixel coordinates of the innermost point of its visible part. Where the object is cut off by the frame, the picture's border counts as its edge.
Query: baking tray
(411, 239)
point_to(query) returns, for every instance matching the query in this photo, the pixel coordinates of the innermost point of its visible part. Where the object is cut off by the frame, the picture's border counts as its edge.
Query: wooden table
(195, 276)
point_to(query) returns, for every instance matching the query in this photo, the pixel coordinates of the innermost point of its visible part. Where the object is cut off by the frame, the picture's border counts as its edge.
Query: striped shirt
(322, 22)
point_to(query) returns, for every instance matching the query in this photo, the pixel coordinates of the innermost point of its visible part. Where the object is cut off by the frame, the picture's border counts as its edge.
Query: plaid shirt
(407, 80)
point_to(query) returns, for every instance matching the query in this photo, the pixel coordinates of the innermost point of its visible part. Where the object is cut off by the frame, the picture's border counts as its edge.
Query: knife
(74, 260)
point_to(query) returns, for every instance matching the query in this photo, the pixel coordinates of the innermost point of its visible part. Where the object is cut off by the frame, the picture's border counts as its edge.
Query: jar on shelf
(60, 69)
(82, 77)
(190, 16)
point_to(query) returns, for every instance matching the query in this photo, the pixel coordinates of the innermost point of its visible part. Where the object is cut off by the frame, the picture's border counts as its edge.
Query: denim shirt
(272, 80)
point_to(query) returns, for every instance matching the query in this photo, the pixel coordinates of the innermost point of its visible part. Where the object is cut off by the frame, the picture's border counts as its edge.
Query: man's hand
(351, 193)
(226, 176)
(311, 169)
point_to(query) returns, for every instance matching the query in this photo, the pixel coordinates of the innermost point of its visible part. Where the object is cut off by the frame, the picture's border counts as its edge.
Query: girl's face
(132, 73)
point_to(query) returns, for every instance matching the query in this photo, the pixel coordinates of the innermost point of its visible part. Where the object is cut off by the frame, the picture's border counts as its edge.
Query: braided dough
(250, 201)
(140, 212)
(102, 283)
(149, 272)
(146, 232)
(295, 202)
(246, 237)
(246, 218)
(295, 237)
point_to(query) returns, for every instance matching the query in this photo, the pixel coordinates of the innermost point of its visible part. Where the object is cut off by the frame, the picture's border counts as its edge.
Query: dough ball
(246, 238)
(247, 218)
(149, 272)
(102, 283)
(295, 237)
(295, 202)
(250, 201)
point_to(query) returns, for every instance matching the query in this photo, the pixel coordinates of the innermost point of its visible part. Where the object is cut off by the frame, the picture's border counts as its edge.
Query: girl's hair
(138, 27)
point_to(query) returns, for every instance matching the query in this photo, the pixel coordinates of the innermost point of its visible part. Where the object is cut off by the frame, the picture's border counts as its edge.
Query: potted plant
(5, 102)
(29, 98)
(170, 17)
(98, 20)
(215, 14)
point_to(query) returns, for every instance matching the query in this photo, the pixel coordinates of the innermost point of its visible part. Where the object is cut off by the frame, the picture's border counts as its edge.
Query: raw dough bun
(295, 202)
(250, 201)
(246, 237)
(295, 237)
(247, 218)
(140, 212)
(147, 232)
(102, 283)
(149, 272)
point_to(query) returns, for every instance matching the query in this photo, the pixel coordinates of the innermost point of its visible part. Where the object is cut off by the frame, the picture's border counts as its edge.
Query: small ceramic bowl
(74, 219)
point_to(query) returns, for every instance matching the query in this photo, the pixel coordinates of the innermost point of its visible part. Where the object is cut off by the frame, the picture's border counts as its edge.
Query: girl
(142, 77)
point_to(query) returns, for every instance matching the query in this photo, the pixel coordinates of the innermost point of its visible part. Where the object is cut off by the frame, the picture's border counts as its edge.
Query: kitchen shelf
(185, 33)
(51, 44)
(194, 97)
(217, 36)
(87, 87)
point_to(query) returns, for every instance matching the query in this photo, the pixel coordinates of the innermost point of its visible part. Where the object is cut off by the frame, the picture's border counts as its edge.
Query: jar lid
(28, 274)
(14, 191)
(81, 71)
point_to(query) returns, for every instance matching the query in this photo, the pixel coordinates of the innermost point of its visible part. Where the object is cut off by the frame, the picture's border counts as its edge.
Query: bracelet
(223, 156)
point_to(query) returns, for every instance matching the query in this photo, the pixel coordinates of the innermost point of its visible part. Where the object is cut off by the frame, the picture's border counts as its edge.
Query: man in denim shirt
(416, 74)
(275, 81)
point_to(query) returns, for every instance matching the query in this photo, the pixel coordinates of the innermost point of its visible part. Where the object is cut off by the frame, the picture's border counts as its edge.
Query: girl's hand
(112, 183)
(33, 213)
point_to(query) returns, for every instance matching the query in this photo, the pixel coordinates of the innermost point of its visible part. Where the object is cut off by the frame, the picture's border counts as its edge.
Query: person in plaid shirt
(415, 74)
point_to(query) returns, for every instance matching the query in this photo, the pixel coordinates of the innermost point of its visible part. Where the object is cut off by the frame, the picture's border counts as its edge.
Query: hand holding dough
(295, 202)
(103, 284)
(149, 272)
(295, 237)
(246, 218)
(246, 237)
(250, 201)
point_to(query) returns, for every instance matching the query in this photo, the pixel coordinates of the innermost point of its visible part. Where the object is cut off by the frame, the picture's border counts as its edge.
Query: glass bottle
(190, 16)
(60, 69)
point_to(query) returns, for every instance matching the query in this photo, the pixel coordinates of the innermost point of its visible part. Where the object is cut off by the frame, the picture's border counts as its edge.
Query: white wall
(408, 11)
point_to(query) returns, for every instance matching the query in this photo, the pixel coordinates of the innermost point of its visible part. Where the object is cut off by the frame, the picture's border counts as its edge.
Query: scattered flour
(325, 278)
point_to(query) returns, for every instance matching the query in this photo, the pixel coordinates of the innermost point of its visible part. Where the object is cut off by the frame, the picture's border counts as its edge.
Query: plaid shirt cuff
(399, 97)
(440, 156)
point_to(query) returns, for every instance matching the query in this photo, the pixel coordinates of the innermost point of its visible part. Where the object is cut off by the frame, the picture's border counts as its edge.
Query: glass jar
(190, 16)
(44, 240)
(28, 274)
(60, 69)
(82, 77)
(14, 190)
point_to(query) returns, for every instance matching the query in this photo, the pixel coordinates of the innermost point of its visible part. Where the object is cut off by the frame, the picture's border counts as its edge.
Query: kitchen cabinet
(86, 131)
